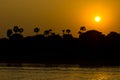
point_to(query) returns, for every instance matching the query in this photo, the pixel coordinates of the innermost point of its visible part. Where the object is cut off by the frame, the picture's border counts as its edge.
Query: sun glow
(97, 19)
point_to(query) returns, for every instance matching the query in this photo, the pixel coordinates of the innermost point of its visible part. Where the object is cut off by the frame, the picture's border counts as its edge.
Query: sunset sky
(59, 14)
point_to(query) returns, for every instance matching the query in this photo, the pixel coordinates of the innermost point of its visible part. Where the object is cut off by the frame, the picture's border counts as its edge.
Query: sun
(97, 19)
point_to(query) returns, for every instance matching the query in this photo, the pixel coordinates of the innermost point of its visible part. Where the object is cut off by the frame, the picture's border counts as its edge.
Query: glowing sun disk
(97, 18)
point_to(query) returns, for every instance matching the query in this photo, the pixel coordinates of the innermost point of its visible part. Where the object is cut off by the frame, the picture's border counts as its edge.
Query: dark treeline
(91, 48)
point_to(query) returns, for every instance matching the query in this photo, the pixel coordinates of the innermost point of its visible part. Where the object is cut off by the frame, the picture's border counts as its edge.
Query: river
(59, 73)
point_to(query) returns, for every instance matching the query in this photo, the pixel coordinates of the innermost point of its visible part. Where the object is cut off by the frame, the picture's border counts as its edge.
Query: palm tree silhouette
(21, 30)
(50, 31)
(9, 33)
(36, 30)
(63, 32)
(83, 29)
(46, 32)
(16, 29)
(52, 34)
(68, 31)
(79, 32)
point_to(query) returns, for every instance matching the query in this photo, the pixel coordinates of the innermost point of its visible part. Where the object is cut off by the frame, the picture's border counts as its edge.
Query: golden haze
(59, 14)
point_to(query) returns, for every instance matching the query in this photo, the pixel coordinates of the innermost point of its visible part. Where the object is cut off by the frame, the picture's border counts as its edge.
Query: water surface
(59, 73)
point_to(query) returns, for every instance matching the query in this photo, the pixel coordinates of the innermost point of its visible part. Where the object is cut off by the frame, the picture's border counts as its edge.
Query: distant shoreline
(53, 65)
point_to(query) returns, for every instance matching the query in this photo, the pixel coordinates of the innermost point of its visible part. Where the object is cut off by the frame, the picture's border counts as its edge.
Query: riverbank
(53, 65)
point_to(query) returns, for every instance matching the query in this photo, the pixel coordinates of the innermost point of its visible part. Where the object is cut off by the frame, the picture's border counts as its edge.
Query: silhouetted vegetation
(36, 30)
(91, 48)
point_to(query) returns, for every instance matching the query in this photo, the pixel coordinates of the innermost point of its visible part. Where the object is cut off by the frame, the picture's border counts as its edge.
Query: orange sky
(59, 14)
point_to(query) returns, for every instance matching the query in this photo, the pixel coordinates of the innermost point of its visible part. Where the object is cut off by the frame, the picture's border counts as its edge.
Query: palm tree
(50, 31)
(16, 29)
(79, 32)
(46, 32)
(52, 34)
(83, 29)
(21, 30)
(68, 31)
(36, 30)
(9, 32)
(63, 32)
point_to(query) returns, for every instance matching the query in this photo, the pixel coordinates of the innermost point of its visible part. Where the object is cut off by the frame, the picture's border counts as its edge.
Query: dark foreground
(92, 48)
(48, 57)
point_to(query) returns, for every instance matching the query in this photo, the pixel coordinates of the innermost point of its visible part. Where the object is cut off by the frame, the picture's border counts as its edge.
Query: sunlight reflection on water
(59, 73)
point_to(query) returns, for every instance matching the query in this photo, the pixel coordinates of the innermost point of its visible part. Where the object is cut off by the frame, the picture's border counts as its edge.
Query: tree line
(92, 47)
